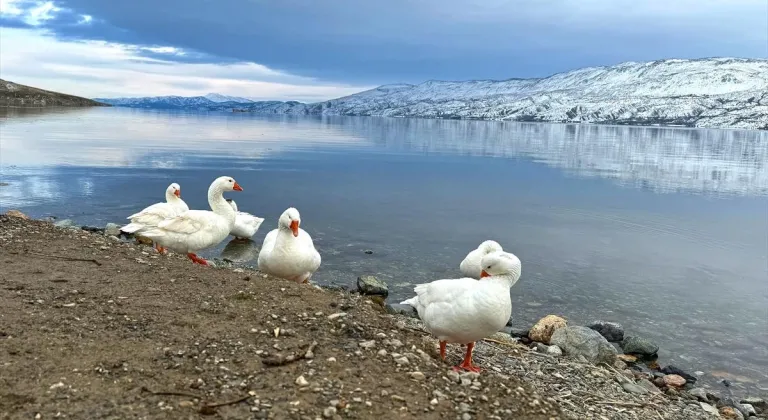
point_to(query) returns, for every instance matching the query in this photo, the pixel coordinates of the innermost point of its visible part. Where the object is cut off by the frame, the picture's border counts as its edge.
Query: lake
(664, 230)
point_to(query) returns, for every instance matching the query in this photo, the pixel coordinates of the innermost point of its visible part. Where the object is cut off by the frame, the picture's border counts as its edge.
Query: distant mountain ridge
(714, 92)
(215, 97)
(14, 95)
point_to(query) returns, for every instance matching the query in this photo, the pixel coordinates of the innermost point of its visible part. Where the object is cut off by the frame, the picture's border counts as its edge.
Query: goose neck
(219, 205)
(507, 280)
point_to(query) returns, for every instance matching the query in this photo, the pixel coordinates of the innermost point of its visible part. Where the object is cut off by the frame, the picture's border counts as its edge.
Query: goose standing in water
(246, 224)
(156, 213)
(466, 310)
(194, 230)
(288, 251)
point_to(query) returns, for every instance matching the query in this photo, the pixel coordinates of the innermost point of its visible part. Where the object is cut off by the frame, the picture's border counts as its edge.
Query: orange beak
(295, 227)
(237, 187)
(177, 193)
(484, 274)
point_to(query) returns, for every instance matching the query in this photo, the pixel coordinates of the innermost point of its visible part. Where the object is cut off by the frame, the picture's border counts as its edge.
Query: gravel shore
(96, 327)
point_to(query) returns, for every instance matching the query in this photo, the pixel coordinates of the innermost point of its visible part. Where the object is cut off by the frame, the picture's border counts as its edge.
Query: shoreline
(170, 323)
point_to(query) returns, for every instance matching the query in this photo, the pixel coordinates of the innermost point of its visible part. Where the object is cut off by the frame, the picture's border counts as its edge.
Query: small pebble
(634, 388)
(554, 351)
(301, 381)
(368, 344)
(417, 376)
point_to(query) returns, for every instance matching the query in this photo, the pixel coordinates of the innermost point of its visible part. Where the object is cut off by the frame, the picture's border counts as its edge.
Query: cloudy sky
(311, 50)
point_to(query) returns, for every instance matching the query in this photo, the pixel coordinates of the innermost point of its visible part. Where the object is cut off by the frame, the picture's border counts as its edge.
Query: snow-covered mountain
(211, 101)
(161, 102)
(721, 92)
(716, 92)
(218, 98)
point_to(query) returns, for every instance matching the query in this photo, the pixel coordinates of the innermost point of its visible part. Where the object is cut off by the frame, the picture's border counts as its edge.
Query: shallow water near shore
(663, 230)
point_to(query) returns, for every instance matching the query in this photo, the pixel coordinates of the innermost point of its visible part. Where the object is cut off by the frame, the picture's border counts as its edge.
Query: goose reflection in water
(240, 250)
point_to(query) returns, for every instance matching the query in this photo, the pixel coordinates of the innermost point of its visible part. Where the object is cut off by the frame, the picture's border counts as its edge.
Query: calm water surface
(664, 230)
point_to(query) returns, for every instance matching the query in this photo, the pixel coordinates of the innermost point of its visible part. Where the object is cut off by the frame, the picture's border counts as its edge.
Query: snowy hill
(209, 102)
(717, 92)
(218, 98)
(702, 93)
(161, 102)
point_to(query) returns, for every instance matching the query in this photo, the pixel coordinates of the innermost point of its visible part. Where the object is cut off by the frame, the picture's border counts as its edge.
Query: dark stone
(713, 397)
(519, 332)
(673, 370)
(92, 229)
(639, 345)
(612, 331)
(370, 285)
(402, 309)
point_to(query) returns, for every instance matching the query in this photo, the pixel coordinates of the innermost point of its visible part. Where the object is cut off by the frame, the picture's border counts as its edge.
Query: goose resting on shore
(156, 213)
(194, 230)
(466, 310)
(288, 251)
(470, 266)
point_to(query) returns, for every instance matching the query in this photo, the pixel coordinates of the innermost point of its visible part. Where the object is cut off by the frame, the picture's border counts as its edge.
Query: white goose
(158, 212)
(246, 224)
(466, 310)
(470, 266)
(194, 230)
(288, 251)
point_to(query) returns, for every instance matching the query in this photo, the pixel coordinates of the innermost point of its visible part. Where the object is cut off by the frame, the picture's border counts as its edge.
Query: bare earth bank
(94, 327)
